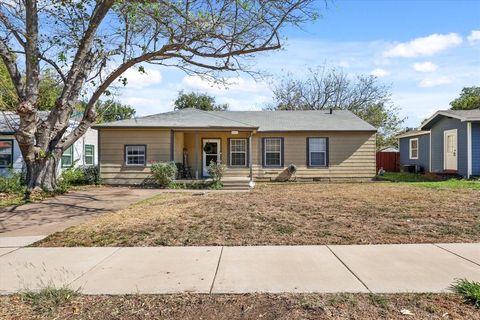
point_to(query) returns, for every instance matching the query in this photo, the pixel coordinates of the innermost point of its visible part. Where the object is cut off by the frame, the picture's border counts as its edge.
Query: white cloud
(344, 64)
(233, 84)
(474, 37)
(433, 82)
(379, 72)
(425, 66)
(138, 80)
(424, 46)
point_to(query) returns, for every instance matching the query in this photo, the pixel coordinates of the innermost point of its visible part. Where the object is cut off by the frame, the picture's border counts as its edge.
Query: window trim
(85, 154)
(125, 155)
(410, 148)
(247, 155)
(63, 165)
(11, 153)
(327, 153)
(264, 153)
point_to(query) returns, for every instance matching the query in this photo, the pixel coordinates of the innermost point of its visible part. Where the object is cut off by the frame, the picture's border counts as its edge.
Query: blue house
(447, 142)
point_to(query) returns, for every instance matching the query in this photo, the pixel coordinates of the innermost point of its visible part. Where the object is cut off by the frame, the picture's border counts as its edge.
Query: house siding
(476, 148)
(351, 154)
(112, 162)
(437, 140)
(423, 151)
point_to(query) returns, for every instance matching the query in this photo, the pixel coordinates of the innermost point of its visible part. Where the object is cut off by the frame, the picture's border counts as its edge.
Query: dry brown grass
(247, 306)
(295, 214)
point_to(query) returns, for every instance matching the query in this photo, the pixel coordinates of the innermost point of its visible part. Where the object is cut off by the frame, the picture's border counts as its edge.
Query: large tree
(323, 88)
(469, 99)
(200, 101)
(91, 43)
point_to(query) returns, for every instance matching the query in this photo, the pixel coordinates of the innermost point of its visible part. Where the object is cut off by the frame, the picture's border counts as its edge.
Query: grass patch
(246, 306)
(469, 290)
(48, 299)
(429, 181)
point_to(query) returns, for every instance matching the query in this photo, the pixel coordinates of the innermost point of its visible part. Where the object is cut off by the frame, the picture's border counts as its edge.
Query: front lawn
(288, 214)
(244, 306)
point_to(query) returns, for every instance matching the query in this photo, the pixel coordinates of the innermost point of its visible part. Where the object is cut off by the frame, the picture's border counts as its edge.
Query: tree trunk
(42, 174)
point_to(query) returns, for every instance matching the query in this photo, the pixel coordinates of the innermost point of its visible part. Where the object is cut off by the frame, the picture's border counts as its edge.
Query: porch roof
(262, 121)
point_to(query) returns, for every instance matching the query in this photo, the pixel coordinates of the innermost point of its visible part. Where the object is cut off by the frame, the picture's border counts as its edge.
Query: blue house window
(6, 153)
(414, 148)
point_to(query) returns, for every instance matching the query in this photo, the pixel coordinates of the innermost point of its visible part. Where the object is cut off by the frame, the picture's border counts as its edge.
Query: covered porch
(194, 149)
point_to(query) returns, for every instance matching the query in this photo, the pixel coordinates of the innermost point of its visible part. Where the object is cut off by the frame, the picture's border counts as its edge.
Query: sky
(427, 51)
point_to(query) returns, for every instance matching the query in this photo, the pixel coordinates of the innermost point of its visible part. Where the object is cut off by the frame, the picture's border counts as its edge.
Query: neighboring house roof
(9, 121)
(412, 133)
(339, 120)
(462, 115)
(389, 149)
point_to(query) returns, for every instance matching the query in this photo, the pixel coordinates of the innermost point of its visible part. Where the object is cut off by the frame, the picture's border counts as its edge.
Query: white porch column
(469, 149)
(250, 148)
(196, 155)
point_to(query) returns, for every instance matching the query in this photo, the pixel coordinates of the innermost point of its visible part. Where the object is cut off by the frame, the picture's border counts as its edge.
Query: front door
(211, 152)
(450, 149)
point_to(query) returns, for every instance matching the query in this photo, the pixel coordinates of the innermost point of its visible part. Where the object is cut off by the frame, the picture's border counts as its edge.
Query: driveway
(61, 212)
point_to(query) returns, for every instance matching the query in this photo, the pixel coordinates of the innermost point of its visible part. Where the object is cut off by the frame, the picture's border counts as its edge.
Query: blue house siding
(437, 136)
(423, 151)
(476, 148)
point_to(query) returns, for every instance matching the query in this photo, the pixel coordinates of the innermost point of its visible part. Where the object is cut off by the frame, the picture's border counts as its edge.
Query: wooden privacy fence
(389, 161)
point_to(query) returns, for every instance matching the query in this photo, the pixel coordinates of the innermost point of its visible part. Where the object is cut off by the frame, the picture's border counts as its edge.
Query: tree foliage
(89, 44)
(469, 99)
(197, 100)
(325, 88)
(49, 90)
(111, 110)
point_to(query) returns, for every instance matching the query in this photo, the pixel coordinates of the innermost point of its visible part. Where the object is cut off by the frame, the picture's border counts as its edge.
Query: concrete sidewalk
(355, 268)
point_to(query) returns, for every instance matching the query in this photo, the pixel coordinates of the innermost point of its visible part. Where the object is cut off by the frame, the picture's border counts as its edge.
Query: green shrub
(14, 182)
(164, 173)
(49, 299)
(469, 290)
(91, 175)
(216, 170)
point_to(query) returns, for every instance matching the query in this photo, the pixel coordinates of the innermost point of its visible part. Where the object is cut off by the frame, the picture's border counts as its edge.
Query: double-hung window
(135, 155)
(273, 152)
(67, 157)
(89, 154)
(414, 148)
(317, 152)
(238, 152)
(6, 153)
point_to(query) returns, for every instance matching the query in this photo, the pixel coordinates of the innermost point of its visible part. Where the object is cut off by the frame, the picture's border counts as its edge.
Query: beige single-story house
(259, 145)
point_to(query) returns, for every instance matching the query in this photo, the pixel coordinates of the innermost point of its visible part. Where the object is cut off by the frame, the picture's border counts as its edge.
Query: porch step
(231, 184)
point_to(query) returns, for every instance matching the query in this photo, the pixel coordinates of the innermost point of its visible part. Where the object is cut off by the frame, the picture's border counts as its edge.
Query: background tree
(49, 90)
(91, 43)
(200, 101)
(469, 99)
(110, 110)
(324, 88)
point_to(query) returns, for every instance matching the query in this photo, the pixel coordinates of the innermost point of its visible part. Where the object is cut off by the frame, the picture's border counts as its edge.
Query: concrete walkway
(355, 268)
(58, 213)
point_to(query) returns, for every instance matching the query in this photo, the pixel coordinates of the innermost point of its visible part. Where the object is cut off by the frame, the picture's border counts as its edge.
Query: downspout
(196, 155)
(250, 165)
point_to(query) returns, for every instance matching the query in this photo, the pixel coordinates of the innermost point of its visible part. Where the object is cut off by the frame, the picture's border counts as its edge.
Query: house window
(6, 153)
(317, 152)
(414, 148)
(135, 155)
(67, 157)
(272, 152)
(238, 152)
(89, 154)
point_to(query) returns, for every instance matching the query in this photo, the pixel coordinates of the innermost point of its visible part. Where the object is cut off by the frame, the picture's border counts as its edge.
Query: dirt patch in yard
(251, 306)
(291, 214)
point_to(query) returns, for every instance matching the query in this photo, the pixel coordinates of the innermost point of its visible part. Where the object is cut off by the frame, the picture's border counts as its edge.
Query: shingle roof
(412, 133)
(462, 115)
(339, 120)
(9, 121)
